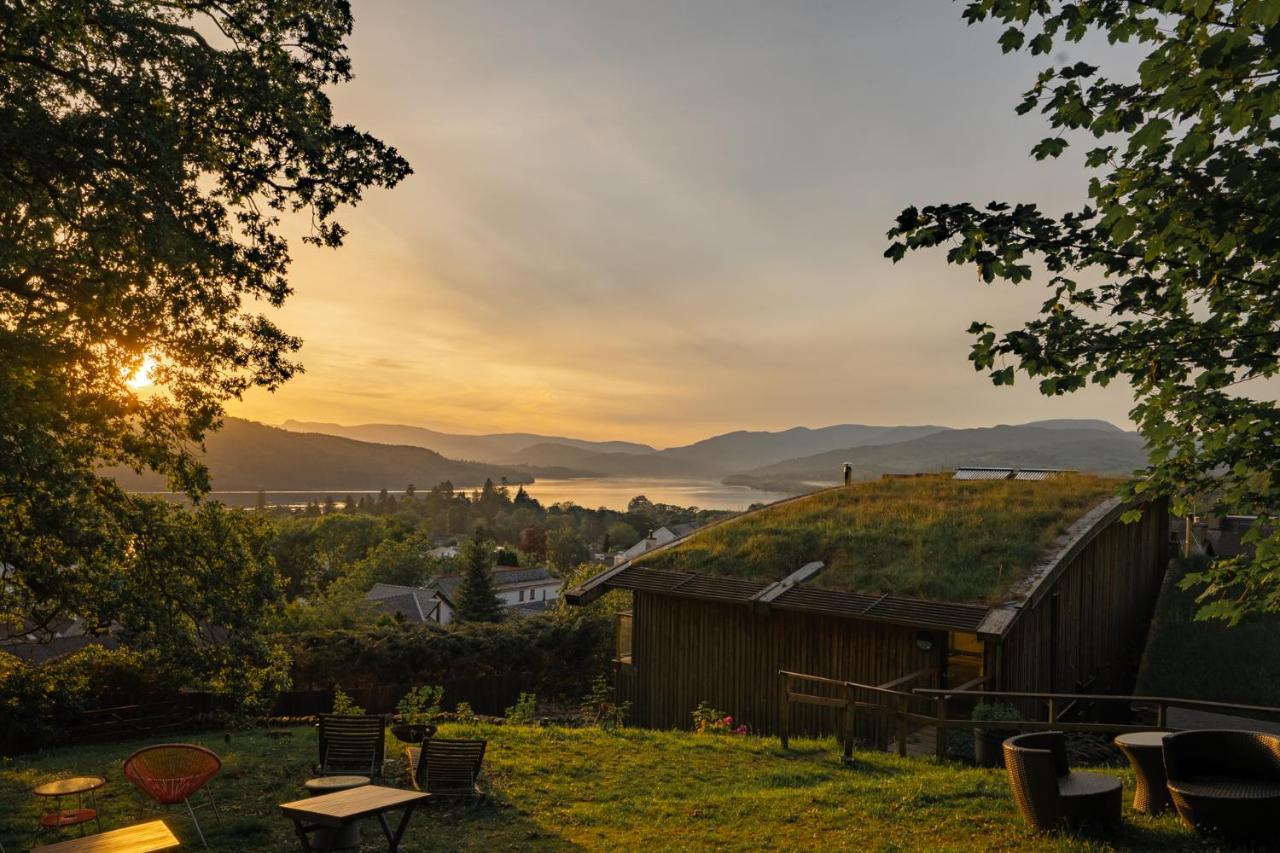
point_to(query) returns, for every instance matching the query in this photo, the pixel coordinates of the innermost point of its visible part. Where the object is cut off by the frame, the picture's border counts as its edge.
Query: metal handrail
(1100, 697)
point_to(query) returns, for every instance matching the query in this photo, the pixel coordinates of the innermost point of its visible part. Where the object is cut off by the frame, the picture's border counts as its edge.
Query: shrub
(421, 705)
(708, 720)
(525, 709)
(996, 712)
(343, 705)
(464, 714)
(600, 708)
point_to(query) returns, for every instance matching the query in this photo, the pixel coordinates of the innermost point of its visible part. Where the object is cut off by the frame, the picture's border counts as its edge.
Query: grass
(1209, 660)
(927, 537)
(561, 788)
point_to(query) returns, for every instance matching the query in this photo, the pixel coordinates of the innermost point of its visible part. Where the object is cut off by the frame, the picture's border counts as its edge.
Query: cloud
(659, 220)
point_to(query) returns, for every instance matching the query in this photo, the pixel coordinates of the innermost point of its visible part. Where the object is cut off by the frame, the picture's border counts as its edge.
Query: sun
(141, 377)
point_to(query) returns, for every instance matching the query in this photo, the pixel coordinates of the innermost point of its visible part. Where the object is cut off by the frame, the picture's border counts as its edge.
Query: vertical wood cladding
(688, 651)
(1105, 599)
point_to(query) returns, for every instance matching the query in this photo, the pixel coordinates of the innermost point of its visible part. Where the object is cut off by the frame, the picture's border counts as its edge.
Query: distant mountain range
(788, 460)
(245, 455)
(1098, 447)
(481, 448)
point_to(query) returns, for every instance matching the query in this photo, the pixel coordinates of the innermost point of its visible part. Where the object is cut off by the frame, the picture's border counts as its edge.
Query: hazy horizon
(1128, 427)
(665, 221)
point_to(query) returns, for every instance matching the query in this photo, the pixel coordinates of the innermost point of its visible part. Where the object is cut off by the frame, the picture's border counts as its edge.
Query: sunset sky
(663, 220)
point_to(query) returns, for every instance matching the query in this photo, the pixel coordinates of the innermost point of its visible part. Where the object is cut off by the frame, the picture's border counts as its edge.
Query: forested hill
(1099, 451)
(245, 455)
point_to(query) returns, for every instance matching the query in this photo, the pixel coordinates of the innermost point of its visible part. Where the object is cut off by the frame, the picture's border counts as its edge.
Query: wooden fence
(486, 694)
(923, 706)
(154, 717)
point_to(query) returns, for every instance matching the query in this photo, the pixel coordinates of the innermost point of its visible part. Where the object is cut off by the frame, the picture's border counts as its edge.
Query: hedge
(559, 654)
(40, 704)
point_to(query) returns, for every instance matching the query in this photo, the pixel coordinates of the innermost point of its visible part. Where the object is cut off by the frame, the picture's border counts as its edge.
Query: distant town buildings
(524, 591)
(656, 538)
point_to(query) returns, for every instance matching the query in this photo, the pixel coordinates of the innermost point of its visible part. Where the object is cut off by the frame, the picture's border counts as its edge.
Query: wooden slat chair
(351, 745)
(447, 768)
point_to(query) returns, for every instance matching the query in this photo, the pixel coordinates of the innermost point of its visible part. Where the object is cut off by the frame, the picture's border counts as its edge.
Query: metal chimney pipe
(848, 473)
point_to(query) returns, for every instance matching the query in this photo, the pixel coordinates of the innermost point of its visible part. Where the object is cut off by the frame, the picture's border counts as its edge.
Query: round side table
(346, 839)
(1145, 751)
(57, 817)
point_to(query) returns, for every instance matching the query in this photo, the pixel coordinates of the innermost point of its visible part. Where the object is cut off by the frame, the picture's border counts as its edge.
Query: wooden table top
(143, 838)
(345, 806)
(63, 787)
(1142, 740)
(337, 783)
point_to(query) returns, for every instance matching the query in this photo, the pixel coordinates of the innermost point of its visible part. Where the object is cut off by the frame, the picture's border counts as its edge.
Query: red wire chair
(170, 773)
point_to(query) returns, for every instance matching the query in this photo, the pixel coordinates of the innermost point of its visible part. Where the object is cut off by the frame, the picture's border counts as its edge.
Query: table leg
(302, 836)
(404, 824)
(93, 801)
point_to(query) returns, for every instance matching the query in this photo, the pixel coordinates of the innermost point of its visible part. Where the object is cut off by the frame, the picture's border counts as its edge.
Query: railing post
(1161, 715)
(902, 727)
(940, 747)
(784, 718)
(1053, 711)
(849, 720)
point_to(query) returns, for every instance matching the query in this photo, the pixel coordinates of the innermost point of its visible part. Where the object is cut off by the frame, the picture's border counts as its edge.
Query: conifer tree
(477, 601)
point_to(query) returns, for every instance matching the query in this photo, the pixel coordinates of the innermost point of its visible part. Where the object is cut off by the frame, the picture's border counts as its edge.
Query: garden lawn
(560, 788)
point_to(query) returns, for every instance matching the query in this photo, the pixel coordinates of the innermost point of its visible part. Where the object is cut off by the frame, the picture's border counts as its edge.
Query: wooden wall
(687, 651)
(1087, 633)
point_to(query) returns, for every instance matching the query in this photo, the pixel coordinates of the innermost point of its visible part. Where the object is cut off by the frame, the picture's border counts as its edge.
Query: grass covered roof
(925, 537)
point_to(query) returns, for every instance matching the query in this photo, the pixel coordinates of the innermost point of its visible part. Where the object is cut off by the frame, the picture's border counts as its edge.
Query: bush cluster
(560, 654)
(40, 705)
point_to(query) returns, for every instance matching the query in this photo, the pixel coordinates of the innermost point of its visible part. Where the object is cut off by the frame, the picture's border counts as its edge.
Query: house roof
(925, 551)
(503, 577)
(414, 603)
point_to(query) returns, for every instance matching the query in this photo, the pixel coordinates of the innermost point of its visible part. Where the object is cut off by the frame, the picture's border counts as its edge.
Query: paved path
(1188, 718)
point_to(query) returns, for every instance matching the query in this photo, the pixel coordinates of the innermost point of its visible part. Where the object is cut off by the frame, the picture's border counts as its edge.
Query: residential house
(657, 538)
(523, 591)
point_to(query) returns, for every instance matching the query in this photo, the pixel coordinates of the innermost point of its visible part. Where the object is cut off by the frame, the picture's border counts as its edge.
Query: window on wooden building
(622, 637)
(964, 659)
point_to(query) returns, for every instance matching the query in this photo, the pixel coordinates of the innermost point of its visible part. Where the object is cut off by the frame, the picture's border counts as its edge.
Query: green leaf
(1011, 39)
(1151, 134)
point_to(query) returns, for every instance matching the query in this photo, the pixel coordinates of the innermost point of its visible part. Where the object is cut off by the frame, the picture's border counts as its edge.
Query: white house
(661, 536)
(522, 590)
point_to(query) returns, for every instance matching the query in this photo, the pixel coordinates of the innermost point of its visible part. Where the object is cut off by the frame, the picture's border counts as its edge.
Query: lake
(591, 492)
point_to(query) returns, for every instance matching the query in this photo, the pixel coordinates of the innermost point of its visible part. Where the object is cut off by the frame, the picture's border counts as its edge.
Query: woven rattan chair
(1050, 794)
(170, 773)
(447, 768)
(1226, 782)
(351, 744)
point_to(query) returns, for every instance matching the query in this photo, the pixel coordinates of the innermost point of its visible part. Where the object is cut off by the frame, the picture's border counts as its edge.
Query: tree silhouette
(477, 600)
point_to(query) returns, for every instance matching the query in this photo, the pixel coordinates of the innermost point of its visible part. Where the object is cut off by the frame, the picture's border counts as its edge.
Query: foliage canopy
(151, 155)
(1167, 277)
